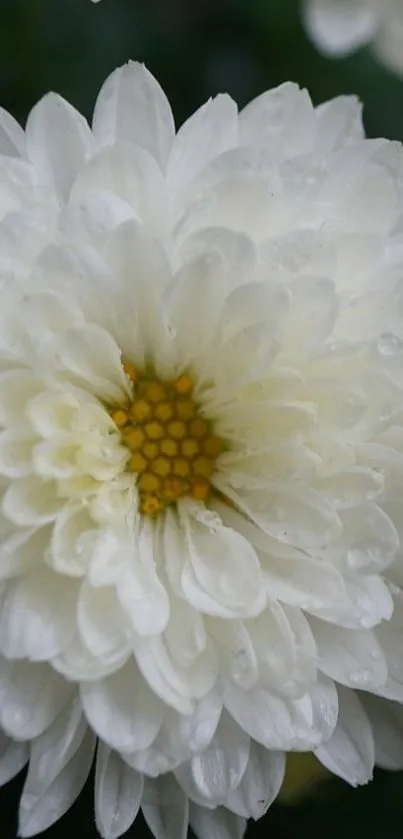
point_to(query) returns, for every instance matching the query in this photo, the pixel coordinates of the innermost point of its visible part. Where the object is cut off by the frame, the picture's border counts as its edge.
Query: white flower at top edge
(202, 598)
(339, 27)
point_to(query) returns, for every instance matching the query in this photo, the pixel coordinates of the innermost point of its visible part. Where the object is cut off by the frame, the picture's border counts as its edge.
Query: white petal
(216, 824)
(37, 812)
(126, 174)
(122, 709)
(260, 783)
(131, 106)
(306, 583)
(165, 808)
(23, 551)
(339, 122)
(390, 639)
(31, 695)
(58, 142)
(238, 660)
(107, 555)
(45, 316)
(274, 645)
(181, 736)
(31, 501)
(12, 137)
(267, 121)
(136, 319)
(371, 539)
(92, 214)
(351, 487)
(222, 572)
(209, 777)
(198, 287)
(95, 359)
(100, 622)
(386, 720)
(294, 516)
(118, 792)
(350, 751)
(53, 413)
(207, 133)
(312, 314)
(164, 677)
(339, 28)
(140, 592)
(282, 421)
(38, 617)
(53, 750)
(370, 602)
(185, 633)
(67, 553)
(17, 388)
(13, 757)
(77, 664)
(283, 462)
(352, 657)
(289, 725)
(16, 453)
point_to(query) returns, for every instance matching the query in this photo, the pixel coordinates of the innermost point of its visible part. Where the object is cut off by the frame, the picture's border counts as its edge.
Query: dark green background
(198, 48)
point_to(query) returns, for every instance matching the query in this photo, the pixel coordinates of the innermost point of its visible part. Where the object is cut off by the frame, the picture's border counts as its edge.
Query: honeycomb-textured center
(173, 448)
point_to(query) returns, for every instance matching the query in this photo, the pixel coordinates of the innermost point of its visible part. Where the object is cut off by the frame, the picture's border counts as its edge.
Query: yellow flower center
(173, 448)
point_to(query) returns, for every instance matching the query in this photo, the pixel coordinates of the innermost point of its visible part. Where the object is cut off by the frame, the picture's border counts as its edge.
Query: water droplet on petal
(389, 344)
(360, 677)
(376, 655)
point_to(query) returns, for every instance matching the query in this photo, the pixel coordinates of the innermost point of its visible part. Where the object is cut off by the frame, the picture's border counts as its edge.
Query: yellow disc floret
(173, 449)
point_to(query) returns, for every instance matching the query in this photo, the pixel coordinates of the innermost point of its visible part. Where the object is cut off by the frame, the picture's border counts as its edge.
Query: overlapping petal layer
(200, 644)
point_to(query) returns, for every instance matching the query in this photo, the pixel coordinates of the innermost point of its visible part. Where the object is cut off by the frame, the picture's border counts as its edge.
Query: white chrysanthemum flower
(202, 453)
(339, 27)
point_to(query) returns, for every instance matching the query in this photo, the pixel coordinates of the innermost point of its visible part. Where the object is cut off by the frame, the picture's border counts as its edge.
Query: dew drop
(376, 655)
(389, 344)
(360, 677)
(357, 557)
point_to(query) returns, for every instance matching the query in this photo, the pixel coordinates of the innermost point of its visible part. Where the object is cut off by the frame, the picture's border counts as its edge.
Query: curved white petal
(208, 778)
(76, 662)
(165, 808)
(53, 750)
(118, 793)
(267, 121)
(211, 130)
(58, 142)
(12, 137)
(31, 696)
(142, 596)
(67, 553)
(22, 551)
(350, 751)
(352, 657)
(13, 757)
(122, 709)
(131, 106)
(30, 501)
(285, 724)
(38, 617)
(386, 720)
(100, 624)
(260, 783)
(221, 574)
(39, 811)
(216, 824)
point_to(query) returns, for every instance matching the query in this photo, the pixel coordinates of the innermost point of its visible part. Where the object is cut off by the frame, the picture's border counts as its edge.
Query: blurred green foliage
(198, 48)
